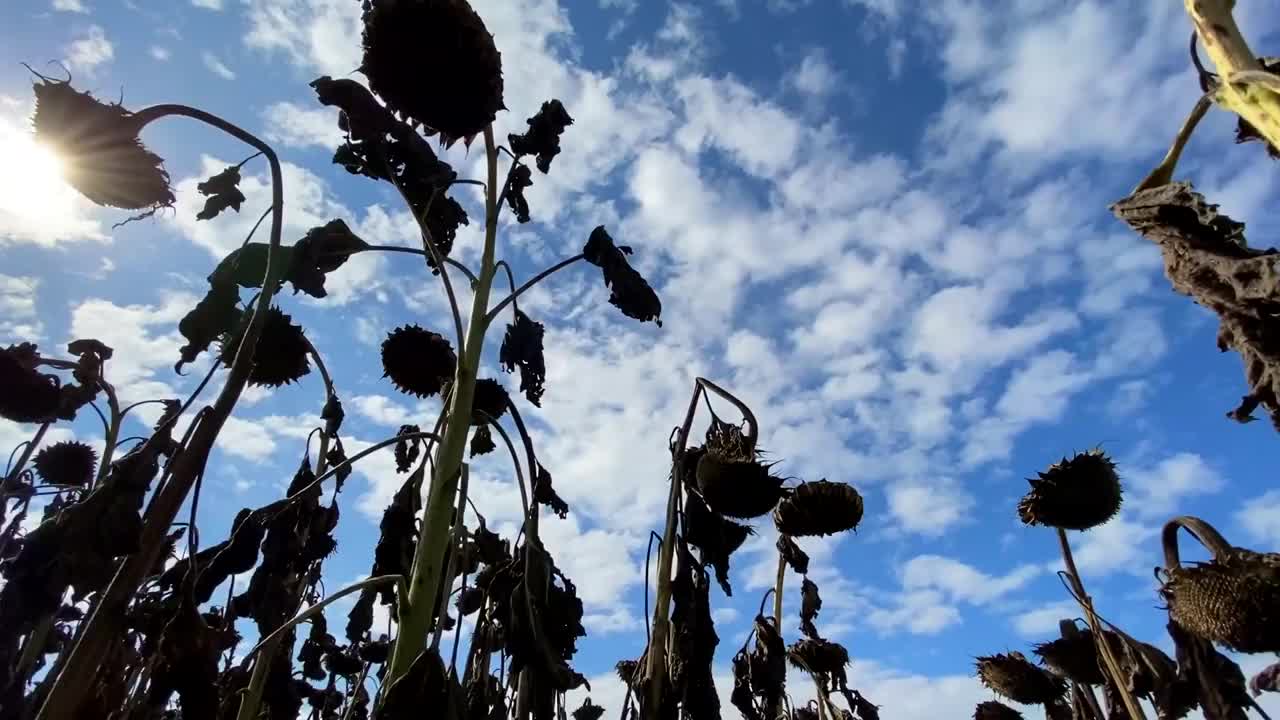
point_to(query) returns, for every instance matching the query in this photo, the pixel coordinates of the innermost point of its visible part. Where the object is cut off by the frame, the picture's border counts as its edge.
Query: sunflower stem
(1100, 639)
(493, 314)
(104, 627)
(427, 572)
(28, 450)
(1244, 89)
(656, 671)
(777, 591)
(113, 433)
(1163, 173)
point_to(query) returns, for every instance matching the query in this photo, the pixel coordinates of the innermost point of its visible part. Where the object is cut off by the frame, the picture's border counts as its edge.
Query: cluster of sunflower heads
(29, 395)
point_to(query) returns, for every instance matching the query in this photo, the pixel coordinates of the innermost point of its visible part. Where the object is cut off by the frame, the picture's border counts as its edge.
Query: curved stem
(28, 450)
(104, 627)
(428, 244)
(1201, 530)
(1163, 173)
(414, 251)
(531, 282)
(511, 283)
(753, 429)
(515, 462)
(113, 431)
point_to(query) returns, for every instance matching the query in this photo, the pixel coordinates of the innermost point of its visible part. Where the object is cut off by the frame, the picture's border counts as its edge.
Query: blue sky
(882, 222)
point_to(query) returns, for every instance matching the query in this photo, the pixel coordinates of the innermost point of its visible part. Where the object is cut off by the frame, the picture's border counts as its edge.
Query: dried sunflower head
(818, 655)
(1076, 494)
(281, 355)
(102, 157)
(522, 347)
(543, 137)
(491, 400)
(992, 710)
(419, 362)
(26, 396)
(434, 62)
(1014, 677)
(67, 463)
(818, 508)
(1075, 657)
(629, 292)
(730, 478)
(588, 711)
(1233, 600)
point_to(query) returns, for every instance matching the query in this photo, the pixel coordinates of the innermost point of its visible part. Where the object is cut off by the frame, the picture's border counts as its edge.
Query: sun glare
(31, 183)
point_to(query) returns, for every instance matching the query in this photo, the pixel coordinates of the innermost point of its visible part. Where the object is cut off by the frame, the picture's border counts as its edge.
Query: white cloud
(90, 50)
(929, 506)
(75, 6)
(1260, 518)
(144, 337)
(961, 581)
(1036, 393)
(1042, 622)
(208, 4)
(1120, 544)
(159, 53)
(18, 309)
(216, 66)
(294, 125)
(1158, 490)
(814, 76)
(38, 206)
(382, 410)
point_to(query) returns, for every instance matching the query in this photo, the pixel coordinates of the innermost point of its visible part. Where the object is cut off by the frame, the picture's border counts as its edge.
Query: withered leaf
(222, 191)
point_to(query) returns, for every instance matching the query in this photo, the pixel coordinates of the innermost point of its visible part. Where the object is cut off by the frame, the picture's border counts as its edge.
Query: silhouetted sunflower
(281, 355)
(490, 399)
(993, 710)
(67, 463)
(819, 508)
(1076, 494)
(26, 395)
(419, 362)
(98, 144)
(434, 62)
(1014, 677)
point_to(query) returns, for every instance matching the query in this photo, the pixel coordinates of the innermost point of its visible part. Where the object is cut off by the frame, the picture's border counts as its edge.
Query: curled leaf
(522, 348)
(630, 293)
(222, 191)
(543, 137)
(521, 177)
(321, 251)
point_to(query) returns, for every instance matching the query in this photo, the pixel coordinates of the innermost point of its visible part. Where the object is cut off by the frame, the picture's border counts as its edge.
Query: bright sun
(31, 183)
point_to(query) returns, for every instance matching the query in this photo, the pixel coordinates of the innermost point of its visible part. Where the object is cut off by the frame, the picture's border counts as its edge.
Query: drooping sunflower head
(26, 395)
(1016, 678)
(434, 62)
(819, 508)
(281, 355)
(102, 156)
(418, 361)
(67, 463)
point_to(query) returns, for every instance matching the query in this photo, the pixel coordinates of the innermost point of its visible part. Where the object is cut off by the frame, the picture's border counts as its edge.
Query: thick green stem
(106, 625)
(428, 570)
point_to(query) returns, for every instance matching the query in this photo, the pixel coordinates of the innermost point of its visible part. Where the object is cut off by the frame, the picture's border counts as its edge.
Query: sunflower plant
(95, 584)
